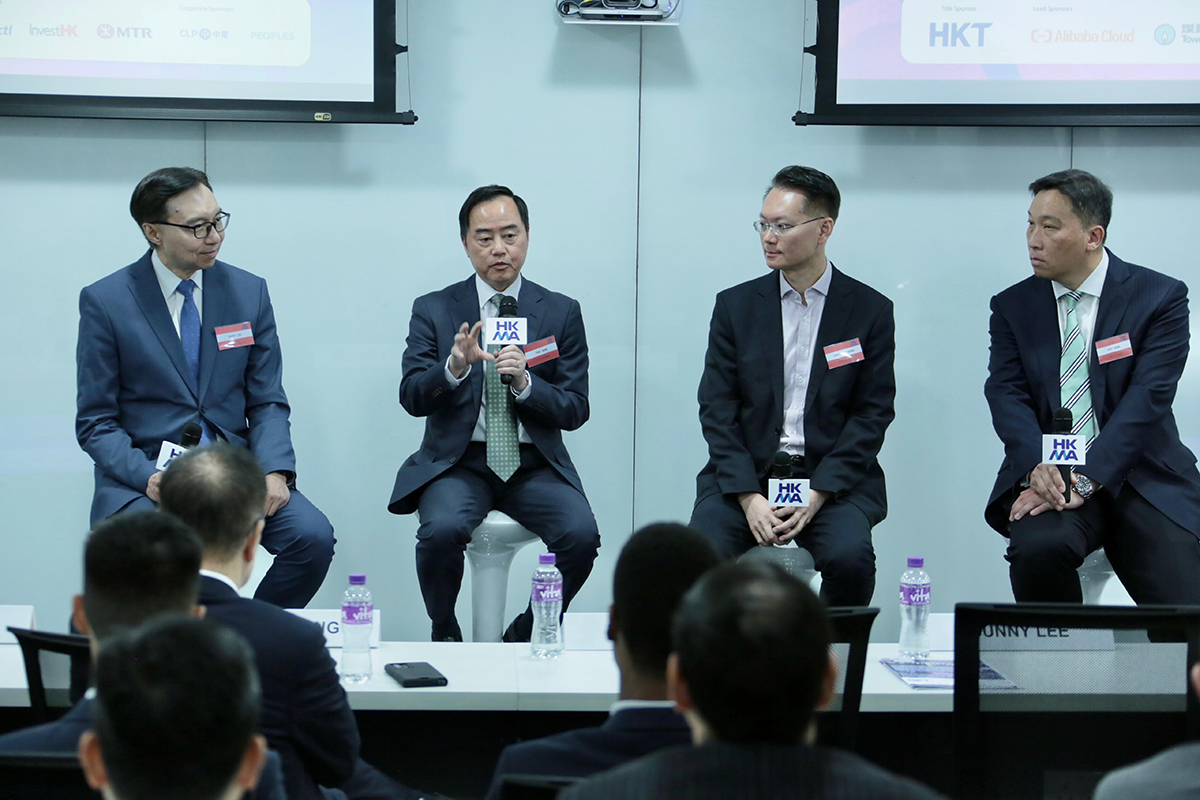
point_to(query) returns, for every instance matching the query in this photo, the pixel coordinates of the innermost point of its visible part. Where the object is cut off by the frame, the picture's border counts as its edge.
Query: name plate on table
(788, 492)
(1022, 637)
(17, 617)
(330, 620)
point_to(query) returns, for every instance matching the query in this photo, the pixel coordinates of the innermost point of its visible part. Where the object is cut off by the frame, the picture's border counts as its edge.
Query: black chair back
(43, 776)
(33, 644)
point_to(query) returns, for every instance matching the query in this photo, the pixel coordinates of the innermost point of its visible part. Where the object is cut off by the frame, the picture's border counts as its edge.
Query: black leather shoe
(446, 632)
(519, 630)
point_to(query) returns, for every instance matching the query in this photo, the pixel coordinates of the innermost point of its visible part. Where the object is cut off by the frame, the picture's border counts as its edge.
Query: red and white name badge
(1115, 348)
(540, 351)
(843, 353)
(231, 336)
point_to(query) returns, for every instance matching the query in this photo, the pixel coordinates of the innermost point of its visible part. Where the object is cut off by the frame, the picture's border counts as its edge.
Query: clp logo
(1041, 37)
(106, 31)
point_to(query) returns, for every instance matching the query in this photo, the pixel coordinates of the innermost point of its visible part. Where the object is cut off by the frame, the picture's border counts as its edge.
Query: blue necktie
(189, 337)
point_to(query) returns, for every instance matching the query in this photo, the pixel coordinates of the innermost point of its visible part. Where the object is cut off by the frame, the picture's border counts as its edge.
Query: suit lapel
(148, 294)
(216, 297)
(466, 309)
(530, 307)
(1114, 299)
(1044, 333)
(770, 332)
(833, 324)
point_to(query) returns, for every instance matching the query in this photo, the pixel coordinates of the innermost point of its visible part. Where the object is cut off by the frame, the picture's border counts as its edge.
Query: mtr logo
(109, 32)
(953, 34)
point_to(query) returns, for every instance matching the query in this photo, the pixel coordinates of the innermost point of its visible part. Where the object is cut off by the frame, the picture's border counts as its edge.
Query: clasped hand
(771, 525)
(1045, 493)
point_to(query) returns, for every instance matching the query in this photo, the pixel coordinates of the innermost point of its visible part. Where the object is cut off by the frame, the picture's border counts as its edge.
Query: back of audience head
(136, 564)
(751, 655)
(175, 715)
(220, 490)
(658, 564)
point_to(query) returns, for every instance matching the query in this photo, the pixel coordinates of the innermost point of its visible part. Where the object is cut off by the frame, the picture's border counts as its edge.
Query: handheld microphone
(781, 466)
(190, 437)
(1063, 420)
(508, 308)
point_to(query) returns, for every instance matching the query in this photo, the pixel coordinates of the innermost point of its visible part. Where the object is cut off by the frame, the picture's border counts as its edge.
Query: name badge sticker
(1064, 448)
(788, 492)
(1113, 349)
(503, 331)
(541, 351)
(231, 336)
(843, 353)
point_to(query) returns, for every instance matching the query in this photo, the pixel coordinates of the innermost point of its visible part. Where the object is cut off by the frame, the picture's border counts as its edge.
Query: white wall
(643, 156)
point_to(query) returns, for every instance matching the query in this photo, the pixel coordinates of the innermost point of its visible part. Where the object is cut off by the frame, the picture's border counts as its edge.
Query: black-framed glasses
(219, 224)
(781, 228)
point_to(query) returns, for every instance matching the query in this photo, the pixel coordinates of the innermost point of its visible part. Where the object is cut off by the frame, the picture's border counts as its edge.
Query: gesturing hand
(466, 350)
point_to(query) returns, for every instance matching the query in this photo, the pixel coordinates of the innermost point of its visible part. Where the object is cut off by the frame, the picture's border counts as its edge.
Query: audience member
(750, 666)
(657, 565)
(219, 490)
(176, 714)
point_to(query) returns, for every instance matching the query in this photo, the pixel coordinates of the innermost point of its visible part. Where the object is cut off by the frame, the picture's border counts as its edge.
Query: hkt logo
(1041, 37)
(108, 32)
(61, 31)
(951, 34)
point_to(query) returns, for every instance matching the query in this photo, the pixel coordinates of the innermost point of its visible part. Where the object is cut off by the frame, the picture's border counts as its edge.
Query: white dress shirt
(487, 310)
(801, 323)
(169, 283)
(220, 576)
(1086, 307)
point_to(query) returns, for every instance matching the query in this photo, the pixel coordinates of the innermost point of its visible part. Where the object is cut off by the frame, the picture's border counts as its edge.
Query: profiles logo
(106, 31)
(1042, 36)
(275, 36)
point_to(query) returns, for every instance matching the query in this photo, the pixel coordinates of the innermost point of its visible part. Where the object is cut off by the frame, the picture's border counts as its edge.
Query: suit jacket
(62, 736)
(626, 735)
(557, 401)
(1138, 441)
(1170, 775)
(135, 389)
(305, 714)
(724, 771)
(846, 409)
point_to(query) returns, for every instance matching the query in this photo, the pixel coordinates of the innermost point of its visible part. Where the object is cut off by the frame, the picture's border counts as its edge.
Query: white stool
(793, 558)
(1094, 575)
(493, 545)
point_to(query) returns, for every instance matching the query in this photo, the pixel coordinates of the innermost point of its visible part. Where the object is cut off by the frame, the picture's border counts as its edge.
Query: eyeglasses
(781, 228)
(201, 231)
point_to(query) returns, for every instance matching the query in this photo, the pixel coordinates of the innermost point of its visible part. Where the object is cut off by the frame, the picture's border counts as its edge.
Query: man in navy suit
(180, 337)
(1108, 341)
(219, 490)
(489, 445)
(136, 565)
(799, 361)
(656, 567)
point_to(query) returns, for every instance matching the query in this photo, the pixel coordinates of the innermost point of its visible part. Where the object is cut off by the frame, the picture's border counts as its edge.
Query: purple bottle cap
(358, 579)
(546, 558)
(916, 562)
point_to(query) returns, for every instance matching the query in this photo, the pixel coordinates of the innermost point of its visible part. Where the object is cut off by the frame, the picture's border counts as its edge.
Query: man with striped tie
(1108, 341)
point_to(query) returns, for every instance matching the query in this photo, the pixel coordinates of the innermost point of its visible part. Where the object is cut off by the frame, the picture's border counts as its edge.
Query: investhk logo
(62, 31)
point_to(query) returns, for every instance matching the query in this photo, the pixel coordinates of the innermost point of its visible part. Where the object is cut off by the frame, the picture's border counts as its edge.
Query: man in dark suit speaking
(1108, 341)
(489, 444)
(179, 337)
(800, 361)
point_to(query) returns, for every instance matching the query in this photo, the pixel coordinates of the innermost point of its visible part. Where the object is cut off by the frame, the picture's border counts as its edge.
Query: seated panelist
(800, 361)
(492, 443)
(178, 337)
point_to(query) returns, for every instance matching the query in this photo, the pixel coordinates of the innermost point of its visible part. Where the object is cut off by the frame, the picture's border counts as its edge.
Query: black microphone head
(781, 466)
(191, 434)
(1063, 420)
(507, 306)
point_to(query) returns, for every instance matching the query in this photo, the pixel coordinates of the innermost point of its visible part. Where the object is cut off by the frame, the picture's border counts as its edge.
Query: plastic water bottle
(357, 621)
(914, 610)
(547, 600)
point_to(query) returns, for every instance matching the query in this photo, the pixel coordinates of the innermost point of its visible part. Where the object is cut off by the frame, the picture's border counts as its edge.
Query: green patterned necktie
(503, 448)
(1073, 374)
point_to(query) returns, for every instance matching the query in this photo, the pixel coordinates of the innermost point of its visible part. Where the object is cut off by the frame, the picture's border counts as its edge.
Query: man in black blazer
(656, 567)
(1107, 340)
(136, 565)
(219, 491)
(489, 445)
(749, 667)
(800, 361)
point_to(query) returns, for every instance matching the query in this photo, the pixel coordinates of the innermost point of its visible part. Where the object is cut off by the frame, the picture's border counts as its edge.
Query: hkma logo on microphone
(1065, 449)
(788, 492)
(505, 330)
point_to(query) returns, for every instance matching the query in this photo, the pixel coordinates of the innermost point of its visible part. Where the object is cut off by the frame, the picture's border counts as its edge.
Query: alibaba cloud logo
(1041, 37)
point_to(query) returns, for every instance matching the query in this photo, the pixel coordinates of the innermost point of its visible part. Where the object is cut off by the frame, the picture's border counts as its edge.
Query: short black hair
(821, 195)
(177, 704)
(220, 490)
(753, 647)
(149, 201)
(137, 564)
(1090, 197)
(484, 194)
(656, 567)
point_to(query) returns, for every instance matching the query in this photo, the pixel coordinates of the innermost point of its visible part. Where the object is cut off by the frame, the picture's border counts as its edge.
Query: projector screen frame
(381, 110)
(827, 111)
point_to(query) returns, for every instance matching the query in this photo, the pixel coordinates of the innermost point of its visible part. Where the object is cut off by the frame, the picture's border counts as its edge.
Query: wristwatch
(1083, 486)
